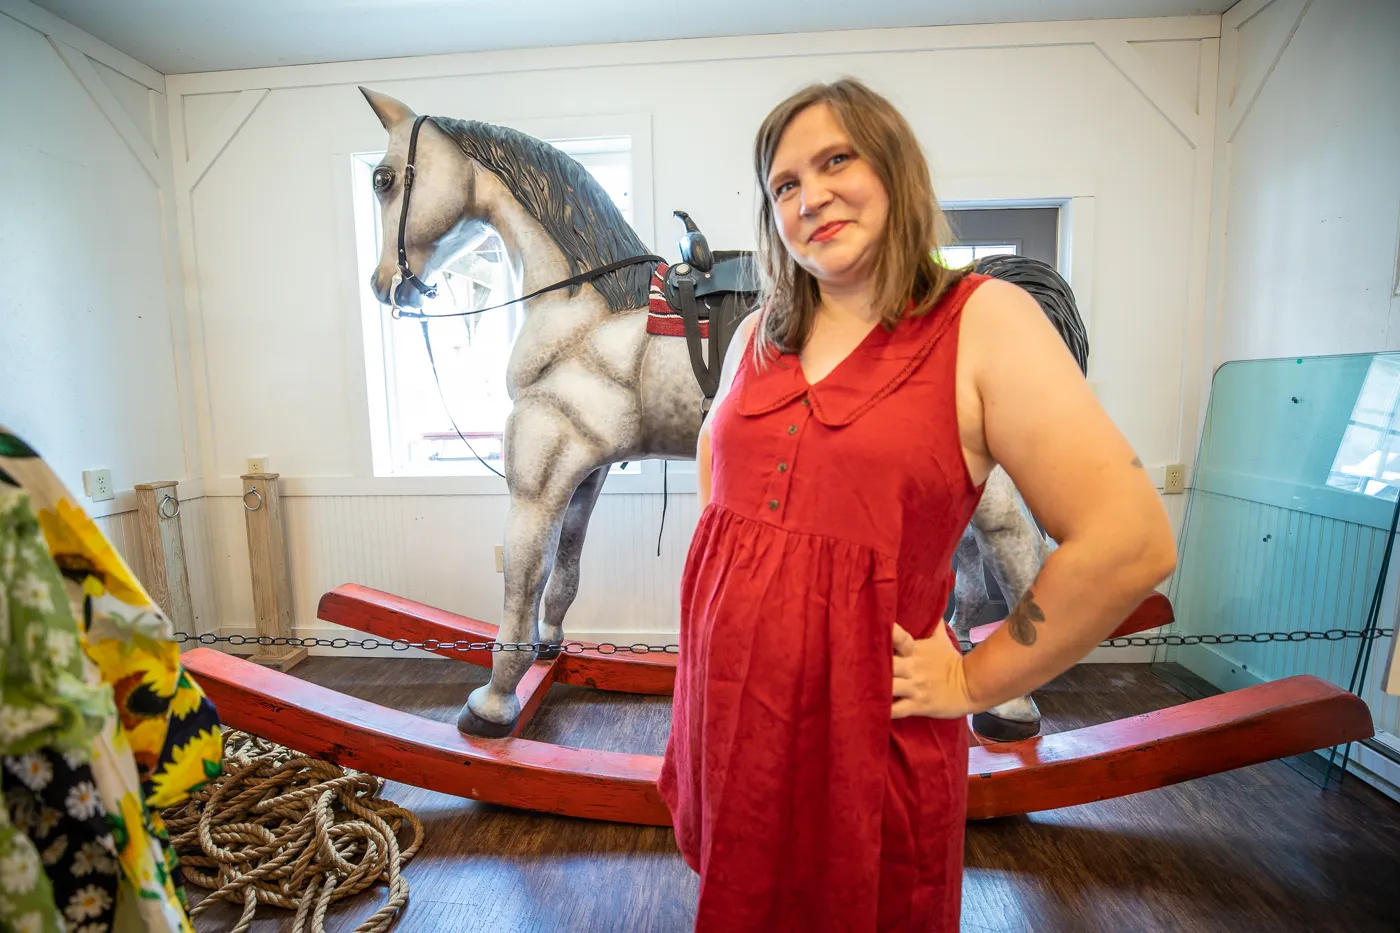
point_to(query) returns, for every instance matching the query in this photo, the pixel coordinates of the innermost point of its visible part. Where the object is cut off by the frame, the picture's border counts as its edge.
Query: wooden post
(267, 557)
(163, 544)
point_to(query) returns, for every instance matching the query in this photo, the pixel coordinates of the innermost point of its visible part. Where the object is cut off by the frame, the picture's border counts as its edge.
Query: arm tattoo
(1137, 462)
(1019, 622)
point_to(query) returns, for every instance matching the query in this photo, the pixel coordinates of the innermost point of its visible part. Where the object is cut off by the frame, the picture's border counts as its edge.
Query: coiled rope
(284, 829)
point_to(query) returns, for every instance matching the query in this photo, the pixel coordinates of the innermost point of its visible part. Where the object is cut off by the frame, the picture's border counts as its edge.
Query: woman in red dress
(817, 765)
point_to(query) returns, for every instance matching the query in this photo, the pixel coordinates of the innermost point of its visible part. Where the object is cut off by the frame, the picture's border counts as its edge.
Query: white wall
(88, 372)
(1114, 118)
(1308, 175)
(94, 362)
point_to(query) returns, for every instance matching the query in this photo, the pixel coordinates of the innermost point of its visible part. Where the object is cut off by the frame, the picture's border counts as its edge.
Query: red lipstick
(827, 231)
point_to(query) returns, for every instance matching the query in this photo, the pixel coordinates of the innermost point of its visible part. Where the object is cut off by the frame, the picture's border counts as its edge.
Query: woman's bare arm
(738, 346)
(1032, 412)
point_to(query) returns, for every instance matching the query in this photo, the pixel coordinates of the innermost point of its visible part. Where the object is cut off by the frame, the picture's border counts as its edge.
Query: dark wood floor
(1257, 849)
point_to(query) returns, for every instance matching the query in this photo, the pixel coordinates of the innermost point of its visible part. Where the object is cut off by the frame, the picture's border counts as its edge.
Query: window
(1020, 231)
(413, 434)
(955, 257)
(1366, 460)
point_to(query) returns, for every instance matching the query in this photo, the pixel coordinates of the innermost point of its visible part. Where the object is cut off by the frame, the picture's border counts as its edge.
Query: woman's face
(829, 203)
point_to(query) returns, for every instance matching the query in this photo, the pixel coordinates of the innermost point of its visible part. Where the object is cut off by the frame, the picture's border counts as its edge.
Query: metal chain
(607, 648)
(1177, 641)
(431, 644)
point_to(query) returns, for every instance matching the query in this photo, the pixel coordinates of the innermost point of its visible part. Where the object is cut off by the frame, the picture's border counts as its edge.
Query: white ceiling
(179, 36)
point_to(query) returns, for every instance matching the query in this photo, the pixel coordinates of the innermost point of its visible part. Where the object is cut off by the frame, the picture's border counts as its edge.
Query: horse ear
(387, 109)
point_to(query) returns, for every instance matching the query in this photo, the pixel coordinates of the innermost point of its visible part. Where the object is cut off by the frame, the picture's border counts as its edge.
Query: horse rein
(405, 273)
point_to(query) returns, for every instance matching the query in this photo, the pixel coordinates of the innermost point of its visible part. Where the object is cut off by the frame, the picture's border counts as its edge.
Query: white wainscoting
(439, 550)
(123, 529)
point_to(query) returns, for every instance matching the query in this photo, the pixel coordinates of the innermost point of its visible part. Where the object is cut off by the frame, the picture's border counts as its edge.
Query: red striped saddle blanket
(662, 319)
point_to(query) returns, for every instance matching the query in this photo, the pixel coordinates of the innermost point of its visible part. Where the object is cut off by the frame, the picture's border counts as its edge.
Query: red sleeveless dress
(836, 509)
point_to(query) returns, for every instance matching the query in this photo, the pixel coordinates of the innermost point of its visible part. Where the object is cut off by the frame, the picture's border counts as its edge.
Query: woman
(861, 412)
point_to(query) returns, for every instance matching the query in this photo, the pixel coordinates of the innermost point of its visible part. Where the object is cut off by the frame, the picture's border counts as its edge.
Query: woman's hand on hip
(928, 676)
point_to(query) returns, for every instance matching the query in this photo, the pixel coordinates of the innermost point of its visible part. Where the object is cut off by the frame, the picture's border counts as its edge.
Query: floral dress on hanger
(153, 738)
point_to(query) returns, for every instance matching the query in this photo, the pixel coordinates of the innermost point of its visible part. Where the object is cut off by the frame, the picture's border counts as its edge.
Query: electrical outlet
(1174, 482)
(500, 559)
(257, 464)
(98, 485)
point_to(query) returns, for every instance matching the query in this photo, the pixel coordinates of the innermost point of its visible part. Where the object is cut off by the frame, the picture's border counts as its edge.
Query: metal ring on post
(252, 491)
(161, 508)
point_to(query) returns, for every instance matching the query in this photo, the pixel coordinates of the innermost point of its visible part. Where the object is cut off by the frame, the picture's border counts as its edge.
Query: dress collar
(876, 367)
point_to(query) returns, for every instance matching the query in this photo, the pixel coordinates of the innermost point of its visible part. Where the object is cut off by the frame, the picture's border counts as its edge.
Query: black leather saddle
(719, 287)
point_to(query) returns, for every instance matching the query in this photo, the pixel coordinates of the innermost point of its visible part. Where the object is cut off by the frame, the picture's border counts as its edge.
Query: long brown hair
(905, 269)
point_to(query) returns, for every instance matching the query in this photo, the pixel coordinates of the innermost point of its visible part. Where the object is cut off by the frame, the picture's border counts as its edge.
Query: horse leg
(1013, 548)
(542, 479)
(563, 581)
(969, 585)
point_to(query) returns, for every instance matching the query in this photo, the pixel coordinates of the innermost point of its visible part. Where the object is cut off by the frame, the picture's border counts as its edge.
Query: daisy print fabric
(53, 799)
(49, 715)
(160, 739)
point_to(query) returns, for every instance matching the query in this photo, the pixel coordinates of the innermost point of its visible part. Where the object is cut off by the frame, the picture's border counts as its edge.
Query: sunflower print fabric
(161, 739)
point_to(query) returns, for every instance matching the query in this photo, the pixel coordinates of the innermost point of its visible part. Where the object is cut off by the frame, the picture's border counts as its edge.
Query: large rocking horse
(592, 385)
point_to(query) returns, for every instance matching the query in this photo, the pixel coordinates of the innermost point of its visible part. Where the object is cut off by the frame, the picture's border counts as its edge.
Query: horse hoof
(469, 723)
(1003, 730)
(1011, 721)
(550, 653)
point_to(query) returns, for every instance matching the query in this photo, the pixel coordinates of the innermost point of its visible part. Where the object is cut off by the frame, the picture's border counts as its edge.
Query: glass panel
(982, 252)
(1285, 530)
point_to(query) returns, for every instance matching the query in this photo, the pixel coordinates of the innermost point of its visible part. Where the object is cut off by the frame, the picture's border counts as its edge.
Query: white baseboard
(1376, 769)
(1133, 655)
(1372, 767)
(1216, 669)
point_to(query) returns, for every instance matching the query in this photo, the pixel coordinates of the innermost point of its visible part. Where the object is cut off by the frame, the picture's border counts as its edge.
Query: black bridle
(405, 274)
(424, 289)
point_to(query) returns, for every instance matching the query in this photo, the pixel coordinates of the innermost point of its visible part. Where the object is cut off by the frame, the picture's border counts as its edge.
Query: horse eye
(383, 178)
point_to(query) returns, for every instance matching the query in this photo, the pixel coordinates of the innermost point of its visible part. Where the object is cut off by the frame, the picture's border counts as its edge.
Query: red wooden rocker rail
(1232, 730)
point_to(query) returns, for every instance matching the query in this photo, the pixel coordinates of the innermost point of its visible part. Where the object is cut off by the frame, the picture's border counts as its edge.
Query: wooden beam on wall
(1242, 99)
(106, 101)
(1143, 76)
(678, 51)
(232, 120)
(41, 20)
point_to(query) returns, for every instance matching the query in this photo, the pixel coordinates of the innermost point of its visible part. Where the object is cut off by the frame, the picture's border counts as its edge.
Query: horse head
(443, 219)
(470, 178)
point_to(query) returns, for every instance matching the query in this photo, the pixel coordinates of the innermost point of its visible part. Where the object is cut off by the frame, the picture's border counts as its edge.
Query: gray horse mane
(567, 201)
